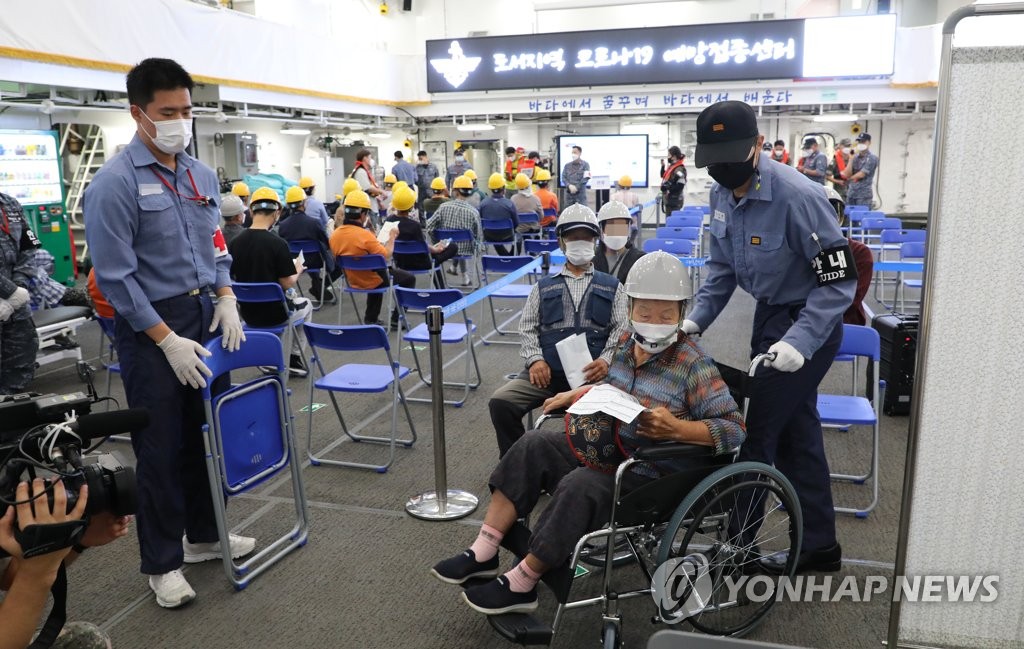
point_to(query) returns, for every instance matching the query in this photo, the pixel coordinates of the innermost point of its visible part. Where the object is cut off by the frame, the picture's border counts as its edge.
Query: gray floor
(362, 579)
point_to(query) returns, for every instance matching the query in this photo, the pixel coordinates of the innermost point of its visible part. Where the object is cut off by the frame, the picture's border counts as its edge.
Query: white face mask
(579, 253)
(459, 158)
(862, 147)
(172, 135)
(615, 242)
(575, 156)
(654, 338)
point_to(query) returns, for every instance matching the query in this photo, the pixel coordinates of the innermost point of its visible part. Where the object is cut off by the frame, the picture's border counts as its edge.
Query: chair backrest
(673, 246)
(107, 327)
(669, 232)
(550, 211)
(258, 292)
(689, 209)
(259, 348)
(496, 264)
(454, 235)
(528, 217)
(540, 246)
(362, 262)
(346, 338)
(859, 340)
(305, 246)
(855, 216)
(858, 208)
(412, 247)
(496, 224)
(902, 236)
(881, 223)
(912, 250)
(412, 299)
(686, 220)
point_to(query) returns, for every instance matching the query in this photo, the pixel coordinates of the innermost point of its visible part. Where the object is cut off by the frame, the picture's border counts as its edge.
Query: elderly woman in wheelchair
(690, 427)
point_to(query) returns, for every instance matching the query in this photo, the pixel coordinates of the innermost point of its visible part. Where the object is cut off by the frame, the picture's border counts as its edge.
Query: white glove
(186, 359)
(6, 311)
(19, 298)
(787, 358)
(225, 316)
(690, 327)
(572, 189)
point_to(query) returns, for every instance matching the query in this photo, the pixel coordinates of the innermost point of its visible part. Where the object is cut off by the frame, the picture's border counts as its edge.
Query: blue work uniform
(859, 192)
(156, 260)
(816, 161)
(455, 170)
(576, 173)
(763, 243)
(315, 208)
(405, 171)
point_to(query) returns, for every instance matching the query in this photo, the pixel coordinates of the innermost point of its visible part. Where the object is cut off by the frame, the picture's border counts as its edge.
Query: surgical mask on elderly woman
(654, 338)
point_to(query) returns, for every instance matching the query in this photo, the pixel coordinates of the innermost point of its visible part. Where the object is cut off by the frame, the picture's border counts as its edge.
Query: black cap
(808, 141)
(781, 143)
(863, 137)
(726, 132)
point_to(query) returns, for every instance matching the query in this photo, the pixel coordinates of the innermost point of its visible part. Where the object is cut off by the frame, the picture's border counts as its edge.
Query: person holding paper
(686, 401)
(579, 300)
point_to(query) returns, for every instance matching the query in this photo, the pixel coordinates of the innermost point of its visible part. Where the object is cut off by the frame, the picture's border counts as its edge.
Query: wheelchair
(705, 526)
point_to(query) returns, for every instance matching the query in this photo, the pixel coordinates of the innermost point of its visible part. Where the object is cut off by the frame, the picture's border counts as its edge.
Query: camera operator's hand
(34, 508)
(103, 528)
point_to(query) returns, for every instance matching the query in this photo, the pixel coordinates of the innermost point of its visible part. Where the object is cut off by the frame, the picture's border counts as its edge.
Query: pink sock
(522, 578)
(485, 547)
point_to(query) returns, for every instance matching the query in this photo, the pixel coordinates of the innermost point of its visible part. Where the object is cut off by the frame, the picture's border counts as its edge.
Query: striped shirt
(457, 214)
(683, 379)
(529, 322)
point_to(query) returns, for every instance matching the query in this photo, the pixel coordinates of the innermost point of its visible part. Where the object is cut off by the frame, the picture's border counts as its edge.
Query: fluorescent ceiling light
(475, 127)
(291, 130)
(842, 117)
(378, 135)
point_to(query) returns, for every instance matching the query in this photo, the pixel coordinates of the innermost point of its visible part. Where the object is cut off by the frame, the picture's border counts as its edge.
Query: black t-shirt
(261, 256)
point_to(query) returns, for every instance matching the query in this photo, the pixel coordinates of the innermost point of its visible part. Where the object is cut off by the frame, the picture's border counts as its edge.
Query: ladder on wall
(90, 160)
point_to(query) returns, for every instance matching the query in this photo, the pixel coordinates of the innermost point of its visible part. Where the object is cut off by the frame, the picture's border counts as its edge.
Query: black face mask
(731, 174)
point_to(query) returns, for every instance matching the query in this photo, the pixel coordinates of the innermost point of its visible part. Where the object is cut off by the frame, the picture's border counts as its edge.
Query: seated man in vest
(577, 300)
(300, 226)
(616, 254)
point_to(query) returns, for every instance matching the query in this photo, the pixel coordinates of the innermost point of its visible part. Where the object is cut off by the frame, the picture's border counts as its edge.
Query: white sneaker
(199, 552)
(171, 589)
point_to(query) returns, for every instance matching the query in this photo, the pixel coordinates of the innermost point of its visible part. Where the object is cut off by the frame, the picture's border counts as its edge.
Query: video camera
(47, 433)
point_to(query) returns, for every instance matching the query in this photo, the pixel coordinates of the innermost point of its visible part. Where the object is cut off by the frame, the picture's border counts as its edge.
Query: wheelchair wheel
(610, 636)
(595, 555)
(730, 520)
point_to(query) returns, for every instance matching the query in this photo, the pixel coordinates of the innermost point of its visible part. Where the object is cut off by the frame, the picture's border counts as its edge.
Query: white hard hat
(836, 199)
(658, 276)
(613, 210)
(577, 216)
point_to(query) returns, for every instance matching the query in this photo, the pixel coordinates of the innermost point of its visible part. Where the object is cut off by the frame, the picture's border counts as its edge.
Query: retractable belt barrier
(444, 504)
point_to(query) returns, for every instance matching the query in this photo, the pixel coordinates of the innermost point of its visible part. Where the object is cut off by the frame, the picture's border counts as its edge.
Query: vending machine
(30, 171)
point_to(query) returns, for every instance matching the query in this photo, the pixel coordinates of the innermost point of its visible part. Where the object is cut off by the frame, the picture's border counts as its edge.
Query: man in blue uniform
(775, 236)
(314, 206)
(152, 213)
(860, 173)
(575, 176)
(813, 164)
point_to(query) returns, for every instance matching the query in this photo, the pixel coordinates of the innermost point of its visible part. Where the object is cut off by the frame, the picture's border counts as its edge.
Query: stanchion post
(545, 265)
(442, 504)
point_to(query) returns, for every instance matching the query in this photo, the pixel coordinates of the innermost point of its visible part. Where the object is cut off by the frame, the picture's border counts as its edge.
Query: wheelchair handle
(758, 360)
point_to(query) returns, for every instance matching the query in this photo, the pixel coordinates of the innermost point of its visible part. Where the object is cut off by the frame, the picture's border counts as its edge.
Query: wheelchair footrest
(521, 628)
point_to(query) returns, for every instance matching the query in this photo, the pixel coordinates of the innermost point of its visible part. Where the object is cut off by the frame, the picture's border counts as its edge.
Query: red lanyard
(196, 197)
(5, 225)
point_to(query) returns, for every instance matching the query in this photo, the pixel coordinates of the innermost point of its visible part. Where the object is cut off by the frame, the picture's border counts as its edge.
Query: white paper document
(385, 232)
(611, 401)
(575, 355)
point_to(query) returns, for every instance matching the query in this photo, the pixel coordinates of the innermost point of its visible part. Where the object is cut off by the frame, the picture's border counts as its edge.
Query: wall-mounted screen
(610, 157)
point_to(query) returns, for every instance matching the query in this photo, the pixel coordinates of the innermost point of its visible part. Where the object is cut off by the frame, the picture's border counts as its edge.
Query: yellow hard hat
(399, 185)
(625, 181)
(462, 182)
(390, 179)
(350, 185)
(240, 189)
(496, 181)
(306, 182)
(522, 181)
(437, 184)
(294, 195)
(541, 175)
(470, 174)
(358, 198)
(264, 198)
(404, 198)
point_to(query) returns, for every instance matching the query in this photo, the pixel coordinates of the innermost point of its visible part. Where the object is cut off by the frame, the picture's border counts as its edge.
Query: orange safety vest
(512, 168)
(840, 162)
(668, 172)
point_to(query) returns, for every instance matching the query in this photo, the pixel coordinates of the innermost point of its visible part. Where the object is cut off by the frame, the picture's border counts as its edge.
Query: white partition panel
(966, 468)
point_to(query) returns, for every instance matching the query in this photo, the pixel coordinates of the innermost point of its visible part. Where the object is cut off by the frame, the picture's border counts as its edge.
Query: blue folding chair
(417, 301)
(369, 263)
(461, 236)
(497, 225)
(852, 410)
(685, 220)
(267, 293)
(531, 219)
(314, 265)
(549, 231)
(872, 224)
(678, 247)
(853, 229)
(405, 249)
(502, 266)
(248, 438)
(891, 239)
(355, 378)
(111, 366)
(910, 251)
(537, 247)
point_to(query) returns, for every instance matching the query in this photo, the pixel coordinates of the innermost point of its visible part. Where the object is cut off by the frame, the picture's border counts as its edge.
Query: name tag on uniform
(834, 265)
(719, 215)
(755, 241)
(149, 190)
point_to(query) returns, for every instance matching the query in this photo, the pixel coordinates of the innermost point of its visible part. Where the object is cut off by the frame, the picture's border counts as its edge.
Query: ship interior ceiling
(356, 558)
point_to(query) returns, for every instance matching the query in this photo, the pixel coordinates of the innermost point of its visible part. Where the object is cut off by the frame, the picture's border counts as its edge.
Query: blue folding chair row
(268, 293)
(314, 265)
(685, 220)
(680, 247)
(491, 266)
(418, 249)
